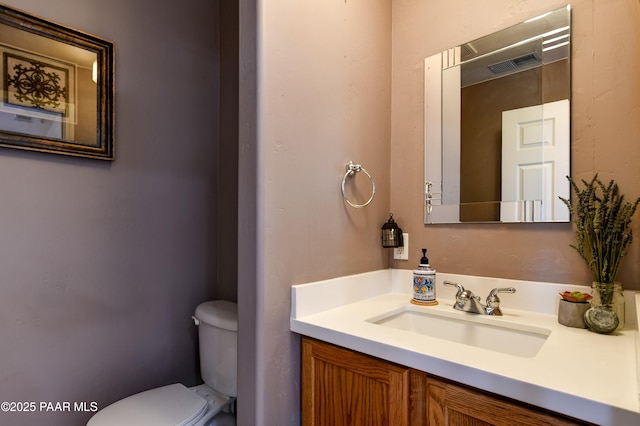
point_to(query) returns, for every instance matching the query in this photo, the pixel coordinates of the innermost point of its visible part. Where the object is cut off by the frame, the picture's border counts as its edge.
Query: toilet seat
(171, 405)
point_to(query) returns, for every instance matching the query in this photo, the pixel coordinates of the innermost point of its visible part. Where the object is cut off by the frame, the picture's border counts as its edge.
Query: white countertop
(579, 373)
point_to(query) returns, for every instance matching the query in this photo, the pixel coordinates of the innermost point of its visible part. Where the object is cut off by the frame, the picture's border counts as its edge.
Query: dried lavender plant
(603, 226)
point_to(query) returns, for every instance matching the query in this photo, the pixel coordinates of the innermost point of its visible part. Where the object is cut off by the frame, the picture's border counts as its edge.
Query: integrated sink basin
(468, 329)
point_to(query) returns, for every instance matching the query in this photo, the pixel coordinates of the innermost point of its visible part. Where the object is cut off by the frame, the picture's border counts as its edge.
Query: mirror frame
(103, 146)
(442, 121)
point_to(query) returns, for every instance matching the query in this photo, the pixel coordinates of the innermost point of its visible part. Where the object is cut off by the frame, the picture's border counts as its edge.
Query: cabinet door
(449, 404)
(342, 387)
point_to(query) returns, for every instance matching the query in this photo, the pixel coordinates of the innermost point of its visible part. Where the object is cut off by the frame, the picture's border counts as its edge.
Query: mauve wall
(323, 98)
(605, 127)
(102, 264)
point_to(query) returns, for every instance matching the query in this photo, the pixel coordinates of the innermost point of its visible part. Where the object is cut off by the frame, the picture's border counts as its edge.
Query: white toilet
(210, 404)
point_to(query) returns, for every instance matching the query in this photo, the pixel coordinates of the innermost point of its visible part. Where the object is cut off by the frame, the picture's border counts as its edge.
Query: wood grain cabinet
(343, 387)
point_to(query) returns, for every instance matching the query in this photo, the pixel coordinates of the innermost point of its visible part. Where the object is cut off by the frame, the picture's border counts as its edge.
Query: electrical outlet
(402, 253)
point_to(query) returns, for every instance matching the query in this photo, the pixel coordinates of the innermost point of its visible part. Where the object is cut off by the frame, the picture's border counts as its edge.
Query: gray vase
(571, 314)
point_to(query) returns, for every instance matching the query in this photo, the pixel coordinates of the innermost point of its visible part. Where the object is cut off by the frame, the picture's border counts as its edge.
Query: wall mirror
(57, 88)
(497, 125)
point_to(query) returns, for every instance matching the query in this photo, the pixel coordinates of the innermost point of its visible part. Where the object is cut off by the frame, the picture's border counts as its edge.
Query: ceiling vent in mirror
(526, 61)
(467, 51)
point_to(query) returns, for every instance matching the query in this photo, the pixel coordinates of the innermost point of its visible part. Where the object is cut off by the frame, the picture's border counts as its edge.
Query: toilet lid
(172, 405)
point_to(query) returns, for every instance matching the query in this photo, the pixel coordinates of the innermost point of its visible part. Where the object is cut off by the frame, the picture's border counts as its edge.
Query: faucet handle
(457, 285)
(493, 302)
(465, 299)
(461, 296)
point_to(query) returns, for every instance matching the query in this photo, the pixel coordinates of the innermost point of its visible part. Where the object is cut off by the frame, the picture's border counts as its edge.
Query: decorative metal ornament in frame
(57, 88)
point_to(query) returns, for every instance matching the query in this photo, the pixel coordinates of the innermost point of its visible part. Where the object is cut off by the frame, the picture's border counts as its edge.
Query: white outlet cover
(402, 253)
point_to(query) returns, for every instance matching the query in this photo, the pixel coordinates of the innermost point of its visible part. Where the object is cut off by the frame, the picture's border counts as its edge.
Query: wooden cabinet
(452, 404)
(343, 387)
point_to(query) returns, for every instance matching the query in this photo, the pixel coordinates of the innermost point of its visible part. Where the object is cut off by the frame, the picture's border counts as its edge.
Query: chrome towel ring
(352, 169)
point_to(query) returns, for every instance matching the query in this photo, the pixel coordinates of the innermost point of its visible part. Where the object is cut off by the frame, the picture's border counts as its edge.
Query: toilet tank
(217, 333)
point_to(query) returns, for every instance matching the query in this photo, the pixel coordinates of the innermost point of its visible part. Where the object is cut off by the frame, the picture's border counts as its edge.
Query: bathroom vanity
(368, 351)
(341, 386)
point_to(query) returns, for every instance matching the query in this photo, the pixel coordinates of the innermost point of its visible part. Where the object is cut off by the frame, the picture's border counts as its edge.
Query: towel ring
(352, 169)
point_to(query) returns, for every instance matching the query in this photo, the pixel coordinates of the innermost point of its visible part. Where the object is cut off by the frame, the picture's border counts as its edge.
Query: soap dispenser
(424, 283)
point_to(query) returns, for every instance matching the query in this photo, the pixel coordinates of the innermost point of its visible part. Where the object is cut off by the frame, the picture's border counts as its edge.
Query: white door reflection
(535, 160)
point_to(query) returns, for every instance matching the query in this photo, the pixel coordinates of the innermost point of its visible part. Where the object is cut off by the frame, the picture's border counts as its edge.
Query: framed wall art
(57, 88)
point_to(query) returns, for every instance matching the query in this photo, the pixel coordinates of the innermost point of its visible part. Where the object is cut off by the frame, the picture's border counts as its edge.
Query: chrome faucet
(466, 301)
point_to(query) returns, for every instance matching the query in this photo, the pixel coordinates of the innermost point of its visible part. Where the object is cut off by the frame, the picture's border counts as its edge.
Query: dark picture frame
(57, 88)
